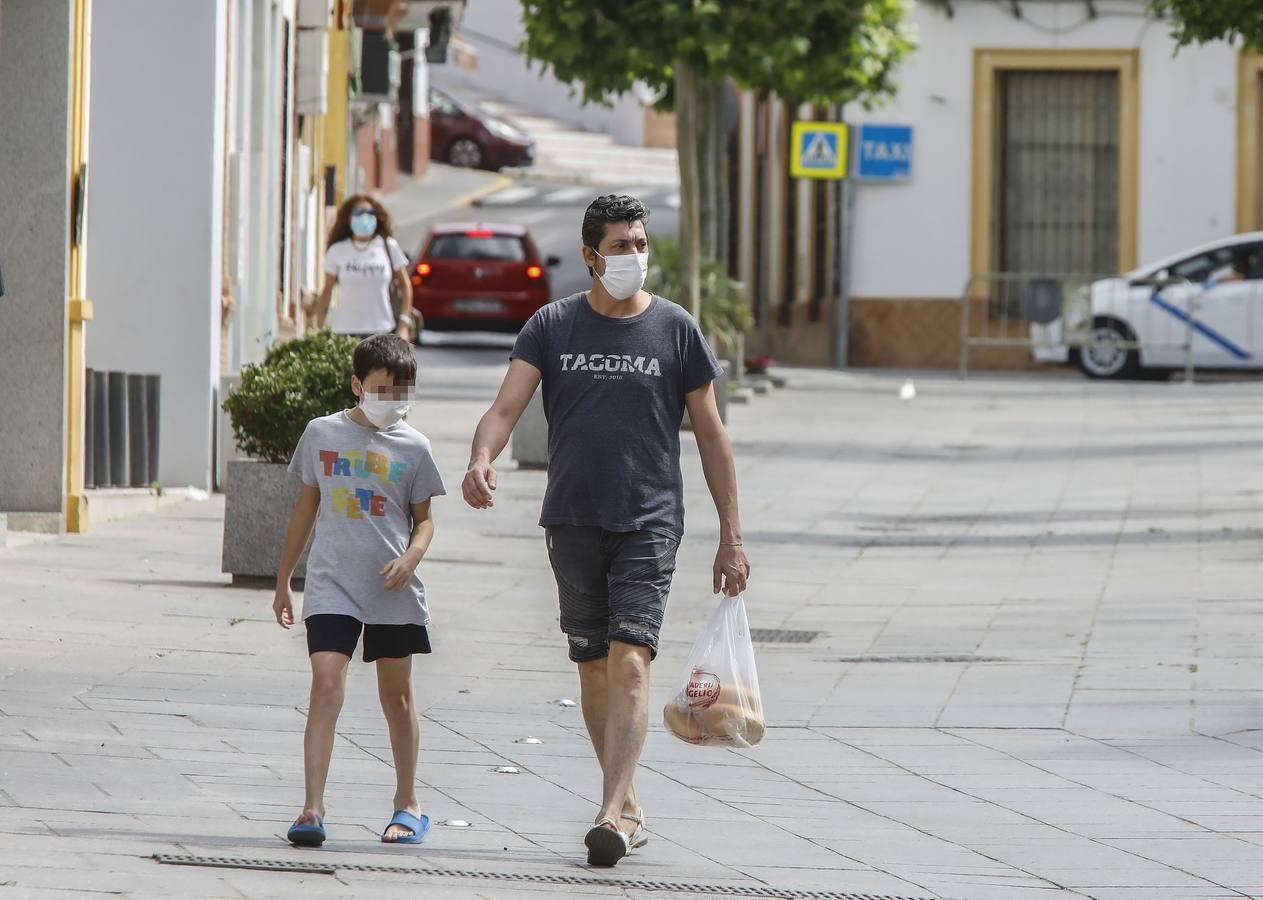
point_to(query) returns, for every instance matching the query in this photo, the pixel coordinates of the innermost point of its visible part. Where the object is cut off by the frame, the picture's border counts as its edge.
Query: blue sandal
(419, 826)
(307, 835)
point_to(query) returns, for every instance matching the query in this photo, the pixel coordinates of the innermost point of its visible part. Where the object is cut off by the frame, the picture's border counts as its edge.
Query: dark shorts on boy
(341, 633)
(612, 586)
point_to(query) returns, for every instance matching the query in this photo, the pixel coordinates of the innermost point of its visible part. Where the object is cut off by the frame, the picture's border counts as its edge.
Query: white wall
(913, 240)
(495, 28)
(153, 225)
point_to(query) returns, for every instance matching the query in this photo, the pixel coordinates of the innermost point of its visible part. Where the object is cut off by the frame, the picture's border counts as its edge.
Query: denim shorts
(612, 586)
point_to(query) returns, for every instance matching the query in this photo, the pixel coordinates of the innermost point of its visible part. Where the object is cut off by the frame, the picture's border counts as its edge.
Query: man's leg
(394, 690)
(594, 697)
(626, 722)
(328, 687)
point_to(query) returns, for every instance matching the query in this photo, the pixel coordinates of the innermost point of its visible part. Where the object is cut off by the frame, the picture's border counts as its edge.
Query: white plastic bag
(718, 701)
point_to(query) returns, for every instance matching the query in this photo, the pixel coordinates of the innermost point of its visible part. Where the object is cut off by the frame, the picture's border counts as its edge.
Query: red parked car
(480, 277)
(463, 135)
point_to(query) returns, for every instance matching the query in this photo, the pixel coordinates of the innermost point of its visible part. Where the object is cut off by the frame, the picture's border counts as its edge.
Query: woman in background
(364, 259)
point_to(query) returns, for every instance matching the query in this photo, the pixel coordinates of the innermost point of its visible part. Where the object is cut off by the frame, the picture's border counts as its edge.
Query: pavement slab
(1035, 676)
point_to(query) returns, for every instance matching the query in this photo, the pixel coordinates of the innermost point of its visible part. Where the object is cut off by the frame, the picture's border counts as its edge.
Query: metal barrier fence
(1105, 323)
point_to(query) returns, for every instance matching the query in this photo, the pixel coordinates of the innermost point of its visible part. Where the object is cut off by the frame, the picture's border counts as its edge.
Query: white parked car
(1139, 322)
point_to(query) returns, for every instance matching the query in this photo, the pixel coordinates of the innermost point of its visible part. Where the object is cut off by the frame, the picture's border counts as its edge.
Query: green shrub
(725, 308)
(297, 381)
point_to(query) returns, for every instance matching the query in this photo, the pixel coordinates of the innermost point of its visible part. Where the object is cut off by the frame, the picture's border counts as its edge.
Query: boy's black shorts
(341, 633)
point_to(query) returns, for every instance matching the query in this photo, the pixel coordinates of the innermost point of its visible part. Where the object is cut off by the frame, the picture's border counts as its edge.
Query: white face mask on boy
(383, 412)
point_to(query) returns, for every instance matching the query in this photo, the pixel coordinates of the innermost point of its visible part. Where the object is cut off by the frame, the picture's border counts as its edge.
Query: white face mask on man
(624, 274)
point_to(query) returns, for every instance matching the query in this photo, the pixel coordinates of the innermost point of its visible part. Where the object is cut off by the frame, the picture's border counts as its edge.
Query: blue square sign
(885, 152)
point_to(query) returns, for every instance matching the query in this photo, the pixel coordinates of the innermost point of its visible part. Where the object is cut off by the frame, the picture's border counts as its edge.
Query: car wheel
(1106, 354)
(465, 152)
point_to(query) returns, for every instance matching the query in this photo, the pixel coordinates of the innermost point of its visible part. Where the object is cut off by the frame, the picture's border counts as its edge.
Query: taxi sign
(818, 150)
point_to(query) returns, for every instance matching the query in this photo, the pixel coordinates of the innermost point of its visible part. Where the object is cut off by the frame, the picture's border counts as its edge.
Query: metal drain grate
(782, 636)
(944, 658)
(641, 884)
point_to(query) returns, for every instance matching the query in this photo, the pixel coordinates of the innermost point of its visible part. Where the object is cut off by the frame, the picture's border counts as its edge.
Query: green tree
(1199, 21)
(804, 51)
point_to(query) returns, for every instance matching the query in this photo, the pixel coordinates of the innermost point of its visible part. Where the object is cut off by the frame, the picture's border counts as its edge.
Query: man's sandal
(606, 844)
(639, 837)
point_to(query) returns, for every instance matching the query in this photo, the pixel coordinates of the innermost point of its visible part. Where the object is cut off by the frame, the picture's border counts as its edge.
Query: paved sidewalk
(1037, 675)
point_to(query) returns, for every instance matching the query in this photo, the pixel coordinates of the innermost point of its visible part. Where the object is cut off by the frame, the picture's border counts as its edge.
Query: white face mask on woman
(624, 274)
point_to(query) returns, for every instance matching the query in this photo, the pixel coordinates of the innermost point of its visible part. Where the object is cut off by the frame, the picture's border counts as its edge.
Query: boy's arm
(399, 571)
(301, 521)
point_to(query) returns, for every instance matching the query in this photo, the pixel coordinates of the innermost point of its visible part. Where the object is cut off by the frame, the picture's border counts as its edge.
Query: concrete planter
(259, 499)
(530, 436)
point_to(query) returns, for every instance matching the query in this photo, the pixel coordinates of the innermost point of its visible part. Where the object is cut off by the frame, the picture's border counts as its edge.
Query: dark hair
(385, 351)
(341, 229)
(606, 209)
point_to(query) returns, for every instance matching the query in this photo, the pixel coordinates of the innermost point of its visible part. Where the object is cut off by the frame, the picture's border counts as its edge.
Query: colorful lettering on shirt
(356, 503)
(353, 464)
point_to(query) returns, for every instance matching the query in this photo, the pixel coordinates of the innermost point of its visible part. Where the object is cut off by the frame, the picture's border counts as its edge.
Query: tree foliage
(817, 51)
(1199, 21)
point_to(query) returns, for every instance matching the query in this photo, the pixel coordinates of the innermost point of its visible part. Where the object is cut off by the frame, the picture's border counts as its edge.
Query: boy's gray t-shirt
(368, 479)
(614, 398)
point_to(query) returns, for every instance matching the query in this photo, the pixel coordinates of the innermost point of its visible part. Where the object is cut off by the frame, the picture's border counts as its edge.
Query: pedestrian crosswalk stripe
(514, 194)
(573, 194)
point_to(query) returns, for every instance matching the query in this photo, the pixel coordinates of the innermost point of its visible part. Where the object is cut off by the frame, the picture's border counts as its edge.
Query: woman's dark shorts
(612, 586)
(341, 633)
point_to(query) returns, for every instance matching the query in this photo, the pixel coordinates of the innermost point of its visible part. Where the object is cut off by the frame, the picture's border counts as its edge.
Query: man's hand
(399, 571)
(479, 485)
(732, 569)
(283, 606)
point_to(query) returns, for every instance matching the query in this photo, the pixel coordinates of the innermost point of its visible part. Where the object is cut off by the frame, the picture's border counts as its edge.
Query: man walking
(619, 367)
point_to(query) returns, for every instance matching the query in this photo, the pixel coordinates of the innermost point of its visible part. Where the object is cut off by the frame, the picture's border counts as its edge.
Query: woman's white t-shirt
(364, 275)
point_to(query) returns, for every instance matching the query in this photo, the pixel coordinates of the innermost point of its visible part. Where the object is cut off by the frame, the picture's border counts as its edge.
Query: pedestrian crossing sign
(818, 150)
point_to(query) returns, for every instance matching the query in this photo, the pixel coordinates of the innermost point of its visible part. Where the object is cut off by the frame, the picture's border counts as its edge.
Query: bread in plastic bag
(718, 702)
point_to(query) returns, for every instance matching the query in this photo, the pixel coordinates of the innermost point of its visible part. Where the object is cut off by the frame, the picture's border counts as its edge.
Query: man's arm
(301, 521)
(732, 567)
(494, 429)
(399, 571)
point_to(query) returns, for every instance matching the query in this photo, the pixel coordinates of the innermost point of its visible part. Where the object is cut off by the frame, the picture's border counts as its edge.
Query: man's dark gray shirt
(613, 393)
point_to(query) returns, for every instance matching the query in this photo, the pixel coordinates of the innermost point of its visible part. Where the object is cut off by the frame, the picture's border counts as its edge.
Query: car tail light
(534, 272)
(423, 269)
(416, 279)
(478, 232)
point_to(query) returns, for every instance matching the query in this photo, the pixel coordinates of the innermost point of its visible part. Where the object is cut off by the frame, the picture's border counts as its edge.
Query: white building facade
(1063, 137)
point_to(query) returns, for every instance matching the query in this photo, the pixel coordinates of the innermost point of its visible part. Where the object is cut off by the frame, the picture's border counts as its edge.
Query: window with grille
(1057, 172)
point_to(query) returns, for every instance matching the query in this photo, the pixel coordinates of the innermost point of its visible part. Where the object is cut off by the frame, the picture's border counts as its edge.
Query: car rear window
(464, 246)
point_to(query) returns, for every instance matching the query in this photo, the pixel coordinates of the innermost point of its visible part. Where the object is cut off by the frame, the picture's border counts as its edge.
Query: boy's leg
(394, 689)
(594, 697)
(328, 687)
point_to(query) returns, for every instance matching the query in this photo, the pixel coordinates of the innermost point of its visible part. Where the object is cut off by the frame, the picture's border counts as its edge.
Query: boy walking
(367, 481)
